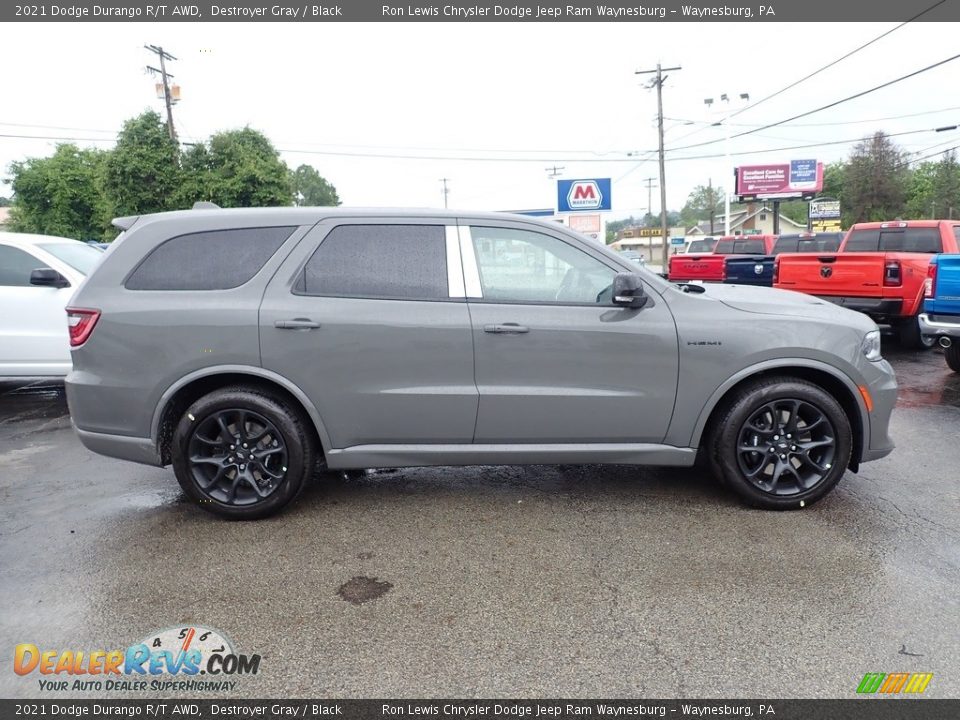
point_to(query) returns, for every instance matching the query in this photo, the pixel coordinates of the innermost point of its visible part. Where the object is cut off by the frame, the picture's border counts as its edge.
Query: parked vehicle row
(758, 270)
(879, 270)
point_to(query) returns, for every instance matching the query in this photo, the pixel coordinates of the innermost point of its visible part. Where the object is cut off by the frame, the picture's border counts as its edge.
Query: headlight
(871, 346)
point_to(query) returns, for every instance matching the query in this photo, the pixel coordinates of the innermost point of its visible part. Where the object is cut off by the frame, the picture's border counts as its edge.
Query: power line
(837, 61)
(827, 106)
(861, 121)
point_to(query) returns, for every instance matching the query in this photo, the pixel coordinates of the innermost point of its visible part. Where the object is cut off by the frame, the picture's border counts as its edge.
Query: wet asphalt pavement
(499, 581)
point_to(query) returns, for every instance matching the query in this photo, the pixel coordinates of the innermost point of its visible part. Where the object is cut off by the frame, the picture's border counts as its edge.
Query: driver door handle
(506, 328)
(297, 324)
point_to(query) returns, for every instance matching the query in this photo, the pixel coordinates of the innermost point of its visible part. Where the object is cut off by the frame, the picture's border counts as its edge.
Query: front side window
(398, 262)
(213, 260)
(16, 266)
(521, 266)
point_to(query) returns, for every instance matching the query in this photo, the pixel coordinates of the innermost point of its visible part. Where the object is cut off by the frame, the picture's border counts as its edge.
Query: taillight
(930, 284)
(891, 274)
(81, 322)
(776, 270)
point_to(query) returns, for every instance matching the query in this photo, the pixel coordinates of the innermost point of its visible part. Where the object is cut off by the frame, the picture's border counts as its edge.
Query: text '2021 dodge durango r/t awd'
(247, 346)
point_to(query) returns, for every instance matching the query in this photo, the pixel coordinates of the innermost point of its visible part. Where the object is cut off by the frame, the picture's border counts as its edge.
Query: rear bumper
(134, 449)
(931, 324)
(876, 308)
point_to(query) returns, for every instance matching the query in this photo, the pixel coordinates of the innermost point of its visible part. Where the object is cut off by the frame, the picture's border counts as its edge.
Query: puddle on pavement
(360, 589)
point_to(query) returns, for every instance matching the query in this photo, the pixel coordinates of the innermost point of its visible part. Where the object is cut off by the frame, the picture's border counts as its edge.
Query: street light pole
(726, 152)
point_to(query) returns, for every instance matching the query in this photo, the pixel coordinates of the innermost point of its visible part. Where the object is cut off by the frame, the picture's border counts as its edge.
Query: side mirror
(628, 290)
(48, 277)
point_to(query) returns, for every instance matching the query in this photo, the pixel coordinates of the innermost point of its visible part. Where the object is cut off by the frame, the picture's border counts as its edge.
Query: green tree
(312, 189)
(934, 190)
(142, 174)
(703, 200)
(4, 202)
(875, 181)
(237, 168)
(60, 195)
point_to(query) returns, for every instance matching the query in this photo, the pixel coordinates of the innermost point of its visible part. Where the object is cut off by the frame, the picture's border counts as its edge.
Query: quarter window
(400, 262)
(213, 260)
(16, 266)
(521, 266)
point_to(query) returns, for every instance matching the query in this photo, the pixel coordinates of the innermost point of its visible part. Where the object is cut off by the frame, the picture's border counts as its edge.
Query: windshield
(82, 258)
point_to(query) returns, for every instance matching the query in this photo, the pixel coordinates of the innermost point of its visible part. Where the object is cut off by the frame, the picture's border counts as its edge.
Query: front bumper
(939, 325)
(882, 386)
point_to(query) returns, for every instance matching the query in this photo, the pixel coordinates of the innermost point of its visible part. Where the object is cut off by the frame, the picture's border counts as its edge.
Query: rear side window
(213, 260)
(399, 262)
(16, 266)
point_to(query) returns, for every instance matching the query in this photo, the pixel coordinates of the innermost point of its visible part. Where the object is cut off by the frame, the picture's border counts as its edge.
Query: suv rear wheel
(242, 453)
(782, 443)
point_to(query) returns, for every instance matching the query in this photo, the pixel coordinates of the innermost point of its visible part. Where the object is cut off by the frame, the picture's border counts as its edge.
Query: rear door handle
(506, 328)
(297, 324)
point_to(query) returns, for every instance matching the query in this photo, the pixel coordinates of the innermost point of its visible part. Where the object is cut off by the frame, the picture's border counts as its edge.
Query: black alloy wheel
(237, 457)
(786, 447)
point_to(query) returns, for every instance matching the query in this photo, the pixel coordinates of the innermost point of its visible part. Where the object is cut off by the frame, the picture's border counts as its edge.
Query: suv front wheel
(242, 453)
(782, 443)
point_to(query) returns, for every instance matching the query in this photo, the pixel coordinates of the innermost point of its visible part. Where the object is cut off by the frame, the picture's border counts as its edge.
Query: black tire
(952, 354)
(815, 440)
(912, 338)
(279, 457)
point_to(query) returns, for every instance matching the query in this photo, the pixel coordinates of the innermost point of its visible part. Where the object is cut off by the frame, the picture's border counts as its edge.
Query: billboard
(590, 195)
(798, 178)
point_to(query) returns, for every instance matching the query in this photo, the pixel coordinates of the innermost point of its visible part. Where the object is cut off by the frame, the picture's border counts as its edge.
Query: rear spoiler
(125, 223)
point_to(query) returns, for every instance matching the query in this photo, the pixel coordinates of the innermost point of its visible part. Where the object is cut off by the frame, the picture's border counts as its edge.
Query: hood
(769, 301)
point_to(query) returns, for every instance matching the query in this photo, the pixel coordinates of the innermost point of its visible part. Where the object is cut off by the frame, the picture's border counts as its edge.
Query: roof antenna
(205, 205)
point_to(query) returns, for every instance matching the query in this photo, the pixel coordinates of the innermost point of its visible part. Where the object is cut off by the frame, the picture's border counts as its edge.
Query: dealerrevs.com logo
(169, 659)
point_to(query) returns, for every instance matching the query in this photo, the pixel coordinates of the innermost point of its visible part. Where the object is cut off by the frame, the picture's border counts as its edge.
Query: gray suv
(249, 347)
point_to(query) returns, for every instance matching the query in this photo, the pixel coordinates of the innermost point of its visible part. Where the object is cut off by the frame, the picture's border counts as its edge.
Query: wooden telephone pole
(657, 82)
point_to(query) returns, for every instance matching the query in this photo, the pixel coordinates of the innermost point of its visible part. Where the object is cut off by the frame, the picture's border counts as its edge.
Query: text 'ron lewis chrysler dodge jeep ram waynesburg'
(245, 347)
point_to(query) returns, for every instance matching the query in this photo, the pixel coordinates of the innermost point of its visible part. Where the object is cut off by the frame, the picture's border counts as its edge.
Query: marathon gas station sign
(588, 195)
(796, 179)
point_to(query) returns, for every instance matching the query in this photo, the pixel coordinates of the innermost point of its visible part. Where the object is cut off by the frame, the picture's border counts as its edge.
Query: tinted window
(863, 241)
(80, 257)
(16, 266)
(821, 242)
(215, 260)
(525, 266)
(379, 261)
(921, 240)
(702, 246)
(741, 247)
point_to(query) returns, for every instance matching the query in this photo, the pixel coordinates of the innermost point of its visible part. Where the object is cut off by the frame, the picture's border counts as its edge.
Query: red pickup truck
(879, 270)
(710, 268)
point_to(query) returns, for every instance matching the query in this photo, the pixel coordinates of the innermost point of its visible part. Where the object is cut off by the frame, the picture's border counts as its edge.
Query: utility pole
(554, 171)
(446, 191)
(658, 83)
(650, 187)
(167, 98)
(713, 203)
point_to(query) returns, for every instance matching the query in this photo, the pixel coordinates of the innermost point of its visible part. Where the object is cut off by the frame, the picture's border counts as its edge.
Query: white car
(38, 276)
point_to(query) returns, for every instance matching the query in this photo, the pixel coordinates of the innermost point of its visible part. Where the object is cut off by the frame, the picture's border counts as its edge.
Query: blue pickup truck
(758, 269)
(941, 306)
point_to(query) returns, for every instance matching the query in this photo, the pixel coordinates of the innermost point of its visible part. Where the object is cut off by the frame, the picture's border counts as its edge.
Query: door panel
(377, 370)
(33, 325)
(567, 366)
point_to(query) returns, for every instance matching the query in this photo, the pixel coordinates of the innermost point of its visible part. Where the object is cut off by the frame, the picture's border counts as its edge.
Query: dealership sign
(583, 195)
(798, 178)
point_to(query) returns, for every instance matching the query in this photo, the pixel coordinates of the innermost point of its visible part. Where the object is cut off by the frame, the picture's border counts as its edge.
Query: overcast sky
(563, 94)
